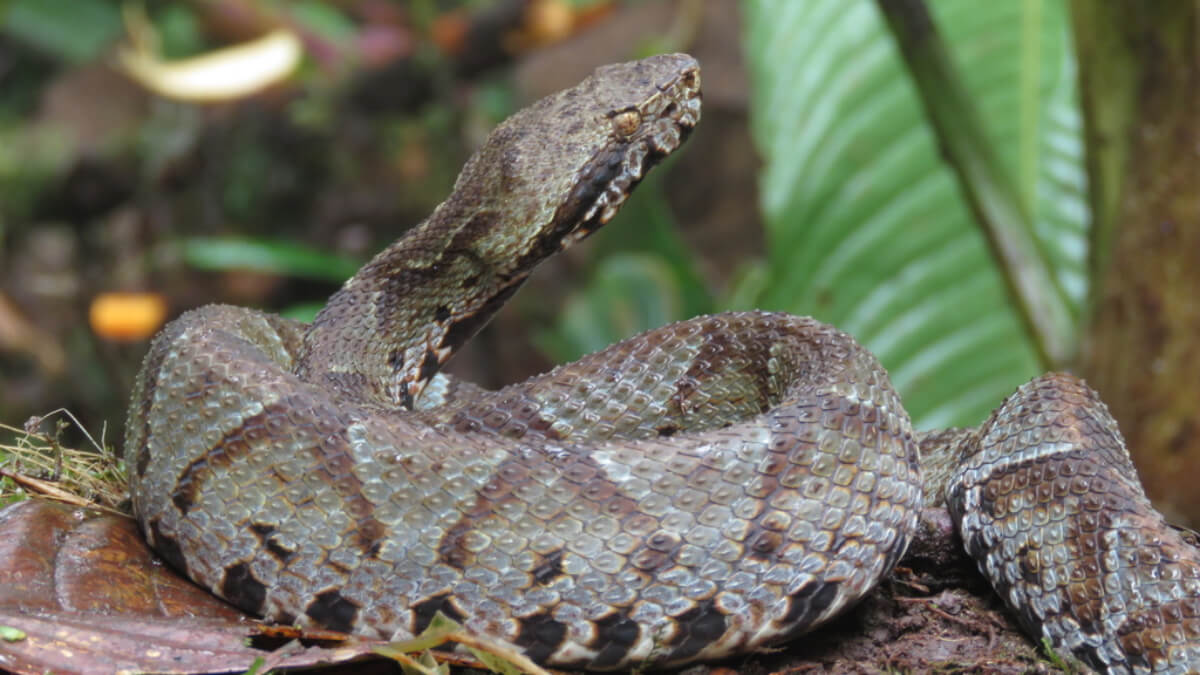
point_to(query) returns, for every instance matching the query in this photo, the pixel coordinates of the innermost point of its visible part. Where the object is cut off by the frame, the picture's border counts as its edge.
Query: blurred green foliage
(282, 258)
(641, 276)
(72, 30)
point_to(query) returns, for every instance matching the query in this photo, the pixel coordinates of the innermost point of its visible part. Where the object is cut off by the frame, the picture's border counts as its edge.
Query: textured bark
(1140, 72)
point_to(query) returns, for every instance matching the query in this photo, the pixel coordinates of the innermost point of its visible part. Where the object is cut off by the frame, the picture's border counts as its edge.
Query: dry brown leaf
(85, 595)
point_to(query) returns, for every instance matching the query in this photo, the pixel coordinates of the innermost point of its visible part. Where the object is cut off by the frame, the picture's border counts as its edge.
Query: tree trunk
(1140, 75)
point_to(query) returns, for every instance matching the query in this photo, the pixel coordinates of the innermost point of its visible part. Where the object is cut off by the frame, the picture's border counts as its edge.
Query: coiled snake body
(703, 489)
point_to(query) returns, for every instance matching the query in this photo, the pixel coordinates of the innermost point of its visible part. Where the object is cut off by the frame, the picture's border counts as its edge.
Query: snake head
(647, 128)
(547, 177)
(568, 162)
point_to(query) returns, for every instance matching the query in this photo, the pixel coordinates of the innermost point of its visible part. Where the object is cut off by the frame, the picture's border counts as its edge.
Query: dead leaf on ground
(84, 594)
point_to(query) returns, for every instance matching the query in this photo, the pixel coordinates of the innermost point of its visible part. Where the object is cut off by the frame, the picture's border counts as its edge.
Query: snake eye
(626, 122)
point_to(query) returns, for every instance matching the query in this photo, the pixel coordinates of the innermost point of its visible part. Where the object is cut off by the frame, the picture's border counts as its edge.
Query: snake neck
(547, 177)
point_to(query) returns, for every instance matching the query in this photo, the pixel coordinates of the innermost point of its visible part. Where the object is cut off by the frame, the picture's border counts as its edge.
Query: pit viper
(704, 489)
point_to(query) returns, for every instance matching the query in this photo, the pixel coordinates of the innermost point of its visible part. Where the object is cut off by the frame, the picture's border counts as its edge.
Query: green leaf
(324, 20)
(179, 31)
(495, 663)
(985, 180)
(302, 311)
(440, 628)
(1024, 82)
(255, 666)
(866, 226)
(276, 257)
(72, 30)
(426, 664)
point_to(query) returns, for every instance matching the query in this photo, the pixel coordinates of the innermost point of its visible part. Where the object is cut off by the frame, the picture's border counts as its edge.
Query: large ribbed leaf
(867, 227)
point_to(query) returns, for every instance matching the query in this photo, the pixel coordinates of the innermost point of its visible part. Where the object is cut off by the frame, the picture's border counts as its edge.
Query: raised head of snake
(547, 177)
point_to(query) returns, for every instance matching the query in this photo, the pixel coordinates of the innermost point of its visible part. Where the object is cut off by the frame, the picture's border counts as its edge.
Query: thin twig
(48, 489)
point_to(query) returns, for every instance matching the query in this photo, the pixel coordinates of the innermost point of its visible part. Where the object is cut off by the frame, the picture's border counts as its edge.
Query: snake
(708, 488)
